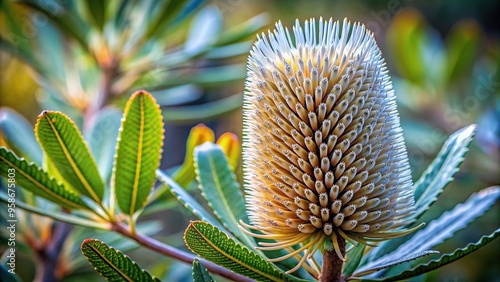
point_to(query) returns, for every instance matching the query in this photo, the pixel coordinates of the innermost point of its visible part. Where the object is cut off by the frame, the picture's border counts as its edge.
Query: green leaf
(64, 146)
(443, 227)
(210, 243)
(34, 179)
(441, 171)
(97, 9)
(17, 132)
(354, 258)
(442, 261)
(200, 272)
(187, 200)
(138, 152)
(367, 270)
(220, 188)
(112, 264)
(59, 216)
(102, 139)
(6, 275)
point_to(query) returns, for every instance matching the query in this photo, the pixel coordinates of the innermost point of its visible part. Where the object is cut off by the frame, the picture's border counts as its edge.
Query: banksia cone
(324, 154)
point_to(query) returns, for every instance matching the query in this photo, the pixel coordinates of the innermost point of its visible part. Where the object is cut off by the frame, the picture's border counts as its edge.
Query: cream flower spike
(323, 149)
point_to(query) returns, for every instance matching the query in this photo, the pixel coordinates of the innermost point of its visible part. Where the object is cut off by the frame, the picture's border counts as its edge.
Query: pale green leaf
(17, 132)
(212, 244)
(34, 179)
(441, 171)
(200, 272)
(442, 261)
(64, 146)
(138, 152)
(112, 264)
(442, 228)
(220, 188)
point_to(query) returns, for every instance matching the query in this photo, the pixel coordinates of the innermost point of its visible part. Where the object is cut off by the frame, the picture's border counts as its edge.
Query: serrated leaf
(441, 171)
(354, 258)
(17, 132)
(138, 152)
(34, 179)
(220, 188)
(102, 139)
(443, 260)
(444, 227)
(112, 264)
(64, 146)
(210, 243)
(200, 272)
(187, 200)
(375, 268)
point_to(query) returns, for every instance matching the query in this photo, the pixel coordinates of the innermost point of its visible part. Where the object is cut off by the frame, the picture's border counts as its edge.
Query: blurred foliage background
(81, 57)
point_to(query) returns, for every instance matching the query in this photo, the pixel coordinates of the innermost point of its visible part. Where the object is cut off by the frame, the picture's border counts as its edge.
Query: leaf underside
(138, 152)
(113, 264)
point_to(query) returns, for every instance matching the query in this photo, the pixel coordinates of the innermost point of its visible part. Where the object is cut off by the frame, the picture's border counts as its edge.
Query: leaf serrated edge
(40, 185)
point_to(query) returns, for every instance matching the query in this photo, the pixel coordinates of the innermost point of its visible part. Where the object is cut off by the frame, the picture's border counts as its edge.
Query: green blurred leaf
(7, 276)
(440, 262)
(34, 179)
(440, 172)
(204, 31)
(220, 188)
(203, 112)
(200, 272)
(212, 244)
(64, 146)
(112, 264)
(354, 256)
(17, 132)
(442, 228)
(138, 152)
(97, 9)
(102, 139)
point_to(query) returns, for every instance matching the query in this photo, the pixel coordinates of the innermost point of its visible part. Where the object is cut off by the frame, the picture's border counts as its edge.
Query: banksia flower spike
(324, 155)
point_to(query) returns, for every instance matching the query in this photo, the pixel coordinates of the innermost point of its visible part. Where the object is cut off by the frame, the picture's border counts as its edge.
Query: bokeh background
(81, 56)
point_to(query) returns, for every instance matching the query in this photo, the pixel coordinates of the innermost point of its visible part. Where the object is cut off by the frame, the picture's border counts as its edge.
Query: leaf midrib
(40, 185)
(268, 276)
(71, 161)
(108, 262)
(139, 157)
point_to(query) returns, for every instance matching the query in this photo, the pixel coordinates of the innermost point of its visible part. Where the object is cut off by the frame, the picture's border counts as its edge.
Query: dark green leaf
(212, 244)
(97, 9)
(138, 152)
(354, 256)
(220, 188)
(112, 264)
(200, 272)
(64, 146)
(6, 275)
(442, 261)
(34, 179)
(441, 171)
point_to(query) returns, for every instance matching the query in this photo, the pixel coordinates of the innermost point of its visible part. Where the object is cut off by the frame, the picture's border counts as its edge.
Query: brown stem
(175, 253)
(331, 270)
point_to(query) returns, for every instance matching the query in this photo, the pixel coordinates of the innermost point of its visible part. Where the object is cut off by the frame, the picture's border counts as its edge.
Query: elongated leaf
(443, 260)
(34, 179)
(354, 258)
(407, 258)
(443, 227)
(441, 171)
(138, 152)
(64, 146)
(220, 188)
(212, 244)
(112, 264)
(200, 272)
(18, 134)
(98, 11)
(59, 216)
(102, 139)
(187, 200)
